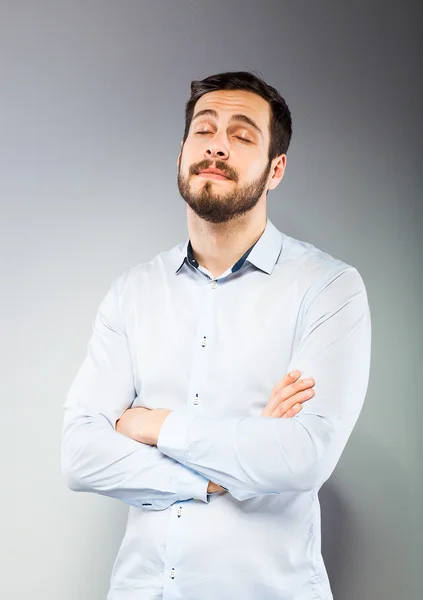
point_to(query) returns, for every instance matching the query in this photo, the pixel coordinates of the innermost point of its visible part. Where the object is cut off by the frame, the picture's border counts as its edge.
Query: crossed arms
(248, 456)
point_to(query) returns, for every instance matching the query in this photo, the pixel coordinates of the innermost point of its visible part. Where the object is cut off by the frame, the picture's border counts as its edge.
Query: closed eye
(237, 136)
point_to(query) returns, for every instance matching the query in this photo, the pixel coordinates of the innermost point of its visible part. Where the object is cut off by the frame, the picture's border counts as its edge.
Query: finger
(297, 387)
(287, 404)
(288, 392)
(284, 382)
(291, 412)
(281, 384)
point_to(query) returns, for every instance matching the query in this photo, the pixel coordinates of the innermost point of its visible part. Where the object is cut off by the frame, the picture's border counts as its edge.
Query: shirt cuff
(173, 435)
(191, 484)
(172, 441)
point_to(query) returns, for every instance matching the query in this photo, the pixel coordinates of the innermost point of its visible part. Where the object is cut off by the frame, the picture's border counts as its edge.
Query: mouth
(213, 174)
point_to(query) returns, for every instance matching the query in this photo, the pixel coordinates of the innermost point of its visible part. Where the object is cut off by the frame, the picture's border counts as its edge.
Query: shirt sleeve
(250, 456)
(97, 458)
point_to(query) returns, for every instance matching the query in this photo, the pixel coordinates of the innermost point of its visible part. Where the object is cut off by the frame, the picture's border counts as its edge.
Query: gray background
(92, 112)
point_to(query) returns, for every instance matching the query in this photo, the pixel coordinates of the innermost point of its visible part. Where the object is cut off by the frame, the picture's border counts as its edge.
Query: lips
(213, 172)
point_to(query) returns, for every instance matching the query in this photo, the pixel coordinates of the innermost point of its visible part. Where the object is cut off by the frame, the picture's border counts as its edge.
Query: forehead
(228, 102)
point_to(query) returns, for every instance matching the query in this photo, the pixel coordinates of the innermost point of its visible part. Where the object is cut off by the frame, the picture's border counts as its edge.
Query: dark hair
(280, 125)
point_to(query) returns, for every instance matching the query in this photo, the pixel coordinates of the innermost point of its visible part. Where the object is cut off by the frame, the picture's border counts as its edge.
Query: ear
(277, 171)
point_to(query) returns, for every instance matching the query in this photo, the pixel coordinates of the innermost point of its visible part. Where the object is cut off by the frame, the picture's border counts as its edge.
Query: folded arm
(97, 458)
(251, 456)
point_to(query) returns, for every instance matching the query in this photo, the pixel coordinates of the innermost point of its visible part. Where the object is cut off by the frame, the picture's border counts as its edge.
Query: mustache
(218, 164)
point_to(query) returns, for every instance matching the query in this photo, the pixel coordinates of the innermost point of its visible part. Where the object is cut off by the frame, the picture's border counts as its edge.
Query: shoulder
(315, 269)
(143, 275)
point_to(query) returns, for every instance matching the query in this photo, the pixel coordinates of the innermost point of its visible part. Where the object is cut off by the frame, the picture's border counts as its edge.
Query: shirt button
(179, 511)
(172, 573)
(214, 284)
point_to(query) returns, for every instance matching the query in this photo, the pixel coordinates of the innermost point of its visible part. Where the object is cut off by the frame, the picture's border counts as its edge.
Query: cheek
(253, 170)
(188, 158)
(184, 164)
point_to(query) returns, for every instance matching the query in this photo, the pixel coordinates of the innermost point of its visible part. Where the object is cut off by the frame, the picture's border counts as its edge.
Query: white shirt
(168, 335)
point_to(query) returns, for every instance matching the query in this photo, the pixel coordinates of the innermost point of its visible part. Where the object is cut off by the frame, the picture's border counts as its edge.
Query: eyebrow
(243, 118)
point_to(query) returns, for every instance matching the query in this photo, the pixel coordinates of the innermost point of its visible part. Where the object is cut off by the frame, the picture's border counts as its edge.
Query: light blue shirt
(169, 335)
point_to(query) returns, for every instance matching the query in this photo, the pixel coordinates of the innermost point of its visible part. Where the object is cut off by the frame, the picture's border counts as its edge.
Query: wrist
(150, 430)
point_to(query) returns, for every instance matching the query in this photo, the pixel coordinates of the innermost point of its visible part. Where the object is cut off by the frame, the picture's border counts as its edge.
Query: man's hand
(214, 487)
(288, 395)
(142, 424)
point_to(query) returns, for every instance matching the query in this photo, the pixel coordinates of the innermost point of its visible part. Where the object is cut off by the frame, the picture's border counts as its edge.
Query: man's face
(237, 147)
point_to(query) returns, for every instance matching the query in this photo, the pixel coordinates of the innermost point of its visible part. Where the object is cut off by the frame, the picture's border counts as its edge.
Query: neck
(217, 246)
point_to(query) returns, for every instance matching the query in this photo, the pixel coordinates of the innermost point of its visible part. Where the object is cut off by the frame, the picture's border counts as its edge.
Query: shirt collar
(264, 253)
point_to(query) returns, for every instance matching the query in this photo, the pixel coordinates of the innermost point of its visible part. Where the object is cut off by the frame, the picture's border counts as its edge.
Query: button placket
(199, 363)
(203, 340)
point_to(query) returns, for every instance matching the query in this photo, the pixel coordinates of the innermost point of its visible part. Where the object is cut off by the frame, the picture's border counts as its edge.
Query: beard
(217, 207)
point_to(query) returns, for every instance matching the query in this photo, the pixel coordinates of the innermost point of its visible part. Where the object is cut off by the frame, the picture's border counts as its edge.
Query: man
(179, 409)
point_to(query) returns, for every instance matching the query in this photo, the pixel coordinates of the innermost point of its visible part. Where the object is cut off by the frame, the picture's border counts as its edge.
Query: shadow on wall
(365, 536)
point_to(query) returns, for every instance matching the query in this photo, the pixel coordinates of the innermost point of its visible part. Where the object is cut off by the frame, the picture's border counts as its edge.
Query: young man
(179, 409)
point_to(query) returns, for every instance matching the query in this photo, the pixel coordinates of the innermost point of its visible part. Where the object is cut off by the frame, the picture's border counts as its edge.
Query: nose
(216, 149)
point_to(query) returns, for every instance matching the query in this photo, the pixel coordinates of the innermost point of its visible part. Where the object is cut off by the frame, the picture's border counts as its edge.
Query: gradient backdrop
(91, 118)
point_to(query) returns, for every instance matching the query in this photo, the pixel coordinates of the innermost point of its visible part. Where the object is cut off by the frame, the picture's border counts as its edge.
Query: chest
(218, 350)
